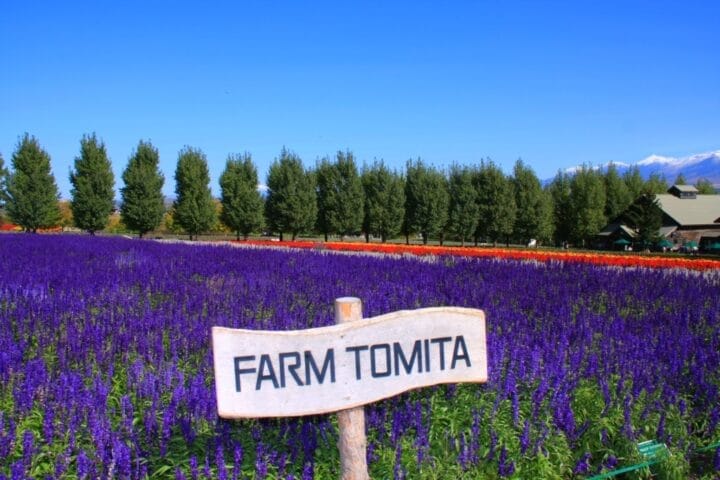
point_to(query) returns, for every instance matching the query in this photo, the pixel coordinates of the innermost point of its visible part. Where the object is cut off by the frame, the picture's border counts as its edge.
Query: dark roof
(684, 188)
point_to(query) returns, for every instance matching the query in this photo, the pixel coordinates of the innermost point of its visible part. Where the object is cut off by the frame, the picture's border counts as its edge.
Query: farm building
(689, 220)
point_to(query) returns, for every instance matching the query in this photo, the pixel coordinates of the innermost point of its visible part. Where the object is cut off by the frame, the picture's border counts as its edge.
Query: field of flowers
(106, 367)
(593, 258)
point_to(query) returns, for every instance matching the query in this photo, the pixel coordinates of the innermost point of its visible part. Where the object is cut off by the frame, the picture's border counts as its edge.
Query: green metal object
(652, 451)
(708, 447)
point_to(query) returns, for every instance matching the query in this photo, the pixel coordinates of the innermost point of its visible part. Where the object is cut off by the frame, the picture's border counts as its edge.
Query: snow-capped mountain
(694, 167)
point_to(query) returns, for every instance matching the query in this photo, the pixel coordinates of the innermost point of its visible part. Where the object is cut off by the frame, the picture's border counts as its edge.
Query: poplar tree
(705, 187)
(464, 212)
(291, 204)
(587, 205)
(559, 192)
(634, 182)
(533, 219)
(340, 196)
(3, 182)
(326, 179)
(426, 200)
(142, 206)
(617, 193)
(656, 184)
(32, 195)
(194, 209)
(242, 205)
(93, 181)
(384, 201)
(496, 200)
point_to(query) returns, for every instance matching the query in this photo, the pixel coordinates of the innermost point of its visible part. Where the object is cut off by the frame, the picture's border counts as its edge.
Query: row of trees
(467, 203)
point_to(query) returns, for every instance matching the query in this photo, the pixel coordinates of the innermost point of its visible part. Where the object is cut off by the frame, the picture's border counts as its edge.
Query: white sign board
(322, 370)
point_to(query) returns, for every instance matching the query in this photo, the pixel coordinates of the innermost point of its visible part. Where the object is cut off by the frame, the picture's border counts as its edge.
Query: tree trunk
(326, 237)
(281, 236)
(367, 237)
(383, 238)
(294, 234)
(407, 239)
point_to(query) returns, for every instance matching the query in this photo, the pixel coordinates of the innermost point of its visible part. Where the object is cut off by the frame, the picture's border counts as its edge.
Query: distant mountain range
(693, 168)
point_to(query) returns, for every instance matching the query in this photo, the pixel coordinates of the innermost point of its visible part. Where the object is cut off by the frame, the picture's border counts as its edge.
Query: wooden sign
(322, 370)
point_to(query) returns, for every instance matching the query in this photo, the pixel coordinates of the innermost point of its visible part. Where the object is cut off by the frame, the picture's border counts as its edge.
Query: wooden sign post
(342, 367)
(351, 422)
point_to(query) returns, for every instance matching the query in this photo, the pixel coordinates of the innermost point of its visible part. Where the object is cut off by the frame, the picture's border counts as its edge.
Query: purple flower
(17, 471)
(398, 471)
(237, 459)
(627, 425)
(660, 432)
(220, 463)
(505, 467)
(84, 466)
(308, 472)
(610, 462)
(28, 443)
(582, 467)
(194, 472)
(139, 313)
(525, 437)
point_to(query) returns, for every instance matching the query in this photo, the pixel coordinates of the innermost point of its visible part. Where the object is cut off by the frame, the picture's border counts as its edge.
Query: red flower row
(596, 258)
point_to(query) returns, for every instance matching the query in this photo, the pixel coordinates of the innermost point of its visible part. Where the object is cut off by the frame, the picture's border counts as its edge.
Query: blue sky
(555, 83)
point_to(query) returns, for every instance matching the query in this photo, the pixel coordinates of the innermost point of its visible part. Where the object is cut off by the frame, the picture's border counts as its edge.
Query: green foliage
(93, 181)
(291, 204)
(426, 200)
(645, 216)
(496, 199)
(587, 205)
(680, 179)
(340, 196)
(703, 185)
(32, 195)
(559, 192)
(534, 214)
(634, 182)
(384, 201)
(194, 206)
(464, 209)
(326, 178)
(242, 205)
(142, 199)
(656, 184)
(617, 194)
(3, 182)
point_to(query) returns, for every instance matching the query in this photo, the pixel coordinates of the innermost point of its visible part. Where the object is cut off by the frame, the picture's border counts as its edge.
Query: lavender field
(106, 367)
